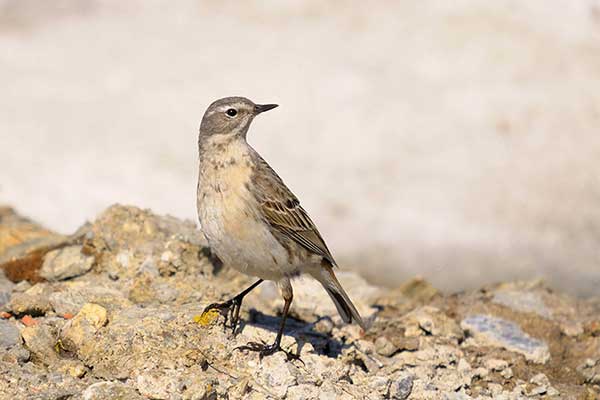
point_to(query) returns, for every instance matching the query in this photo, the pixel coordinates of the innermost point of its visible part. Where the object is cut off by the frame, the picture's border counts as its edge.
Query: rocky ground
(114, 311)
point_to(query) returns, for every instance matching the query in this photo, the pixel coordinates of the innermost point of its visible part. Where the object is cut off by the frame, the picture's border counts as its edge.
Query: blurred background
(459, 141)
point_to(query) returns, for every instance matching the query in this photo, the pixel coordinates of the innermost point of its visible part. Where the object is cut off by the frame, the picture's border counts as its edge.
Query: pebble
(81, 329)
(384, 347)
(65, 263)
(401, 388)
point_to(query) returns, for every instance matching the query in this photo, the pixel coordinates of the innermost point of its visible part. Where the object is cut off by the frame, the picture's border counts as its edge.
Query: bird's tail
(341, 300)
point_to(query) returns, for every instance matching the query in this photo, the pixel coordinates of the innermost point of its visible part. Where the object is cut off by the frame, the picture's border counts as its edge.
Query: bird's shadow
(302, 332)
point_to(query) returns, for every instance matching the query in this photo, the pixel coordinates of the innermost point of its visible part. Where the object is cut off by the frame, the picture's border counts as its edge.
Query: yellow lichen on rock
(206, 318)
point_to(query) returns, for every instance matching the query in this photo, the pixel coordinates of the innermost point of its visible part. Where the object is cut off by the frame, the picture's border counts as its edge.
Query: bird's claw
(264, 349)
(230, 310)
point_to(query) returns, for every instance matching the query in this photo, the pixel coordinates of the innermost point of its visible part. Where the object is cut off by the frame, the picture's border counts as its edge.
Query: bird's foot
(229, 309)
(263, 349)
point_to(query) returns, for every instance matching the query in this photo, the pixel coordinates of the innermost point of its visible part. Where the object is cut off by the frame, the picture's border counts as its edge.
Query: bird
(253, 222)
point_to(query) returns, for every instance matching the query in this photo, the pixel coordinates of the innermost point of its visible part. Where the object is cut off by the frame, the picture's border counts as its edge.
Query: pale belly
(231, 224)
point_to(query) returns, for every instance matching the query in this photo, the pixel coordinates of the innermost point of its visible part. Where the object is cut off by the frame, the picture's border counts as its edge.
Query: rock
(495, 364)
(128, 237)
(385, 347)
(110, 391)
(23, 244)
(69, 297)
(41, 341)
(429, 320)
(74, 368)
(590, 370)
(131, 327)
(34, 301)
(64, 263)
(9, 334)
(401, 388)
(492, 331)
(77, 334)
(542, 386)
(507, 373)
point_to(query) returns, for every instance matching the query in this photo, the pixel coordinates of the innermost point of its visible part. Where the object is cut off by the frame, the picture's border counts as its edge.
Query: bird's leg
(267, 349)
(232, 306)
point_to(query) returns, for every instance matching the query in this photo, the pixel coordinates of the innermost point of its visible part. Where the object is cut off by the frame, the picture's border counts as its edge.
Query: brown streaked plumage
(251, 220)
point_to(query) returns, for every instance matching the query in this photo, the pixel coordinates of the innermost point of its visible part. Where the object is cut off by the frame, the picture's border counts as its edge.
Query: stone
(590, 370)
(71, 296)
(507, 373)
(9, 334)
(429, 320)
(78, 332)
(492, 331)
(33, 301)
(109, 391)
(131, 328)
(40, 340)
(64, 263)
(384, 347)
(401, 388)
(23, 244)
(495, 364)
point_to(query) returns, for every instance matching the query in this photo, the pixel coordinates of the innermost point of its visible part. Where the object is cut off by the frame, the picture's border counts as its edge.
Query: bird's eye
(232, 112)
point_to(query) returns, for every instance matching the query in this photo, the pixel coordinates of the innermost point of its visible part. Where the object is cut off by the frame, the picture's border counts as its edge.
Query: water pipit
(252, 221)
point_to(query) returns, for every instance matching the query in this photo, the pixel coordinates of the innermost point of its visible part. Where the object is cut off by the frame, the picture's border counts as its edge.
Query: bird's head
(231, 116)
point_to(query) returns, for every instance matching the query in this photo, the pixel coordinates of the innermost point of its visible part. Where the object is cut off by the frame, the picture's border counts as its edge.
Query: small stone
(65, 263)
(27, 320)
(40, 340)
(507, 373)
(79, 331)
(34, 301)
(494, 388)
(495, 364)
(384, 347)
(9, 334)
(480, 372)
(492, 331)
(404, 343)
(540, 380)
(74, 368)
(428, 320)
(401, 388)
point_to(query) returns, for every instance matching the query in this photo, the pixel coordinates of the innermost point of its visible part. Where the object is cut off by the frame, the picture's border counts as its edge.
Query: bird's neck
(217, 149)
(219, 143)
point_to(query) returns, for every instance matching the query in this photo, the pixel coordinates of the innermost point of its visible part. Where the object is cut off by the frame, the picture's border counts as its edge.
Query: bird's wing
(282, 210)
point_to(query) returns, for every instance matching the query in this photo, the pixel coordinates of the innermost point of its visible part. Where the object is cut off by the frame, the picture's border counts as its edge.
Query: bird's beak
(260, 108)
